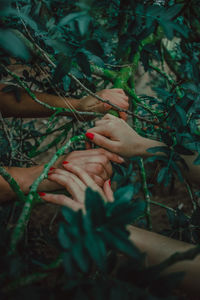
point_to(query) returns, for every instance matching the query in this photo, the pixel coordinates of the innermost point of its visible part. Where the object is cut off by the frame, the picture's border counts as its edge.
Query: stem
(162, 205)
(13, 184)
(146, 193)
(190, 192)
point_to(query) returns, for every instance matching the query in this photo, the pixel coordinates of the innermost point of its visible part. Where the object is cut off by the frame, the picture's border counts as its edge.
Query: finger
(65, 175)
(99, 181)
(123, 115)
(88, 181)
(102, 122)
(108, 191)
(117, 99)
(100, 151)
(102, 141)
(120, 91)
(99, 164)
(62, 200)
(109, 117)
(72, 184)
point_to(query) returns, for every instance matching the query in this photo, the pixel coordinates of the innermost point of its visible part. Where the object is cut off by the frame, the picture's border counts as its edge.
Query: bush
(85, 45)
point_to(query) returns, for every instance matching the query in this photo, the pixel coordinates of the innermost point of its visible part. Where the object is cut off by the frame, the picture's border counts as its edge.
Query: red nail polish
(65, 162)
(89, 135)
(109, 182)
(41, 194)
(49, 173)
(51, 169)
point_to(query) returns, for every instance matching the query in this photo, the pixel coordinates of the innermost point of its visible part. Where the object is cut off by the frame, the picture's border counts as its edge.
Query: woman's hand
(96, 162)
(115, 96)
(75, 180)
(116, 135)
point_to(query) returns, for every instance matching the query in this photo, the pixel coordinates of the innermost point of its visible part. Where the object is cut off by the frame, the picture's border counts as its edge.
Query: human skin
(76, 181)
(117, 136)
(99, 166)
(27, 107)
(96, 162)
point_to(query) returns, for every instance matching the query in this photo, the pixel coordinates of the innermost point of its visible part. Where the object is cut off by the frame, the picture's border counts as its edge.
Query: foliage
(99, 44)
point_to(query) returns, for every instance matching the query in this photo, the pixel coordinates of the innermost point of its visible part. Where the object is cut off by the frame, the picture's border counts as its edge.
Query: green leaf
(63, 237)
(162, 174)
(68, 214)
(127, 214)
(83, 62)
(66, 82)
(83, 24)
(95, 47)
(95, 207)
(165, 150)
(71, 17)
(68, 263)
(13, 45)
(63, 67)
(124, 194)
(96, 248)
(79, 256)
(197, 160)
(119, 240)
(182, 114)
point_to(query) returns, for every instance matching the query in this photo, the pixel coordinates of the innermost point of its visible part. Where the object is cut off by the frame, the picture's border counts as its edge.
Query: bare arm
(116, 135)
(96, 162)
(27, 107)
(156, 246)
(159, 248)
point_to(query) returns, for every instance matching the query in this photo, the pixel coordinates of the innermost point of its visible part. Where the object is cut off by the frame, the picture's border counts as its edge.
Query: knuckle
(99, 169)
(101, 151)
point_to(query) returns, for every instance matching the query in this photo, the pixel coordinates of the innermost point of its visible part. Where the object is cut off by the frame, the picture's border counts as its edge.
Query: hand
(96, 162)
(76, 181)
(115, 96)
(117, 136)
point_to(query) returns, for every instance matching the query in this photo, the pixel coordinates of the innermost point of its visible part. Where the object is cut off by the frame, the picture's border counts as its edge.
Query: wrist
(139, 147)
(25, 176)
(145, 144)
(66, 103)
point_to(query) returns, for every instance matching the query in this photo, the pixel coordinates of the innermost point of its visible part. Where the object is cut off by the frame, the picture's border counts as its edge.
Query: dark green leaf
(95, 207)
(83, 62)
(13, 45)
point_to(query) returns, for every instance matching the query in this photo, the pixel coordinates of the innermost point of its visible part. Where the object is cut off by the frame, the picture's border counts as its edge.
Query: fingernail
(65, 162)
(41, 194)
(109, 182)
(49, 173)
(51, 169)
(121, 159)
(89, 135)
(107, 106)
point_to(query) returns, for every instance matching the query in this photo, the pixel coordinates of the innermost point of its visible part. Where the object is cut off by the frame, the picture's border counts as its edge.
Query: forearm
(27, 107)
(159, 248)
(24, 177)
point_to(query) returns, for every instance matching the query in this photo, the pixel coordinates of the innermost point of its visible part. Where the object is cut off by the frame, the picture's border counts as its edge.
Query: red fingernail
(41, 194)
(109, 182)
(49, 173)
(65, 162)
(51, 169)
(89, 135)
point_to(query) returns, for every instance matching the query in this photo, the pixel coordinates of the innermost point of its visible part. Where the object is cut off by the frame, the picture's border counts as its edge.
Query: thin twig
(146, 193)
